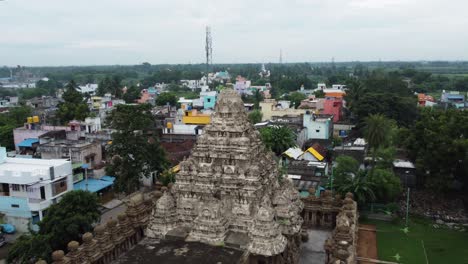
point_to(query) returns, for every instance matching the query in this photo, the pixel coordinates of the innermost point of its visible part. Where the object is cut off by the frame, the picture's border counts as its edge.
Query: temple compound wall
(110, 240)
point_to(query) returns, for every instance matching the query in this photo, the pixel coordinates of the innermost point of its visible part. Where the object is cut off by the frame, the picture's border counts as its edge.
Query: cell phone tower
(208, 50)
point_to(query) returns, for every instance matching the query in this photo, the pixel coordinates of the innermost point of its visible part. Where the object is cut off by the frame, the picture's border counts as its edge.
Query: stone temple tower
(230, 186)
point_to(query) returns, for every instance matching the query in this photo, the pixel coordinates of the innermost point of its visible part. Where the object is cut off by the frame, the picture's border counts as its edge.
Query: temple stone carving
(164, 216)
(221, 186)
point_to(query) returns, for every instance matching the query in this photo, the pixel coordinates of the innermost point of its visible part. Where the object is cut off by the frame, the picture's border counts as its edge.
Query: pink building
(333, 106)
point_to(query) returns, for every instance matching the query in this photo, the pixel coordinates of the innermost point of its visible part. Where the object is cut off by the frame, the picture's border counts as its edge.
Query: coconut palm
(377, 132)
(360, 186)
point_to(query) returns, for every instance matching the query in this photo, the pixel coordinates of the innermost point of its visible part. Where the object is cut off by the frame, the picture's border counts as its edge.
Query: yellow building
(192, 117)
(96, 102)
(269, 109)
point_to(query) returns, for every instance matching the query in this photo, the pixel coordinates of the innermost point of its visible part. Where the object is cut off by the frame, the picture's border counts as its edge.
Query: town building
(271, 108)
(318, 126)
(241, 85)
(29, 186)
(425, 100)
(333, 106)
(209, 99)
(406, 171)
(79, 151)
(89, 88)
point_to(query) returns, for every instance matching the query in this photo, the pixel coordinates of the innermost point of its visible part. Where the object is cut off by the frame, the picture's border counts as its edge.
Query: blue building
(209, 99)
(318, 126)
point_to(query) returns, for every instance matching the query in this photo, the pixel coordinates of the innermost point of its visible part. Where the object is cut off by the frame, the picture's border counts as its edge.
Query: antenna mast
(281, 57)
(208, 50)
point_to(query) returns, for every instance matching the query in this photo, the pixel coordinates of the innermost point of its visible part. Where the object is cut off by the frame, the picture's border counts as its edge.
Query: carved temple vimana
(230, 204)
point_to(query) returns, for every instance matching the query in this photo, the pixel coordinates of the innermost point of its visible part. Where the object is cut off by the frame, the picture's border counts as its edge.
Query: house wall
(18, 216)
(209, 102)
(268, 111)
(333, 107)
(318, 128)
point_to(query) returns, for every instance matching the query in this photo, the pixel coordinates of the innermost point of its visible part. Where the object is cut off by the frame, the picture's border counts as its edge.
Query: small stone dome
(122, 217)
(165, 202)
(265, 214)
(111, 223)
(99, 229)
(73, 246)
(87, 237)
(58, 255)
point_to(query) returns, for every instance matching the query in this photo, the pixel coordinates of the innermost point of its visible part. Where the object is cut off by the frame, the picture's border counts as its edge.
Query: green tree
(278, 138)
(132, 94)
(74, 106)
(165, 98)
(258, 97)
(438, 145)
(73, 216)
(255, 116)
(386, 186)
(319, 94)
(15, 117)
(65, 221)
(135, 152)
(377, 132)
(346, 166)
(359, 185)
(110, 84)
(296, 98)
(29, 248)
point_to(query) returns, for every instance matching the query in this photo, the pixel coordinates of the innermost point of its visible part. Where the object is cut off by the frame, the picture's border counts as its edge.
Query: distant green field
(440, 245)
(453, 75)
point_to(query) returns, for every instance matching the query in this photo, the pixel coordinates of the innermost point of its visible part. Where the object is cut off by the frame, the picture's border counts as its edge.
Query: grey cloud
(62, 32)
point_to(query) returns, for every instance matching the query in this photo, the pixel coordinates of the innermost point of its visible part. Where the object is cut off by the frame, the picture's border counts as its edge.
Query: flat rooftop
(27, 171)
(150, 251)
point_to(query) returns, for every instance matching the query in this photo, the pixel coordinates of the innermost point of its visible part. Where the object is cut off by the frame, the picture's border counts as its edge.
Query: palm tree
(360, 186)
(377, 133)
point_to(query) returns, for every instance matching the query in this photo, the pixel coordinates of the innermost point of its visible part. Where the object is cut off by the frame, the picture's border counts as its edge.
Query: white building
(89, 88)
(29, 186)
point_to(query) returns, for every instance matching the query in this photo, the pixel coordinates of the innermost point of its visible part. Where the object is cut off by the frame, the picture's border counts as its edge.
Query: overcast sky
(98, 32)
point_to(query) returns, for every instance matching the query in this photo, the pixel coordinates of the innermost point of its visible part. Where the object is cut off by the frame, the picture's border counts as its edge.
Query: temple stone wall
(110, 240)
(341, 247)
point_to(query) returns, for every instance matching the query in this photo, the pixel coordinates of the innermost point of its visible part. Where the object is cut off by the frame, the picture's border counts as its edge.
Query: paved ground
(112, 204)
(312, 251)
(367, 243)
(112, 213)
(166, 251)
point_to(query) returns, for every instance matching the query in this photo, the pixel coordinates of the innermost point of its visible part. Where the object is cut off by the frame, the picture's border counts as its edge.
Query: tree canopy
(135, 152)
(65, 221)
(15, 117)
(438, 144)
(73, 107)
(165, 98)
(278, 138)
(255, 116)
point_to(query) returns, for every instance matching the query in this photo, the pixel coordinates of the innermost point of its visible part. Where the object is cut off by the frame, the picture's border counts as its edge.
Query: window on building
(15, 187)
(318, 130)
(59, 186)
(209, 100)
(15, 205)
